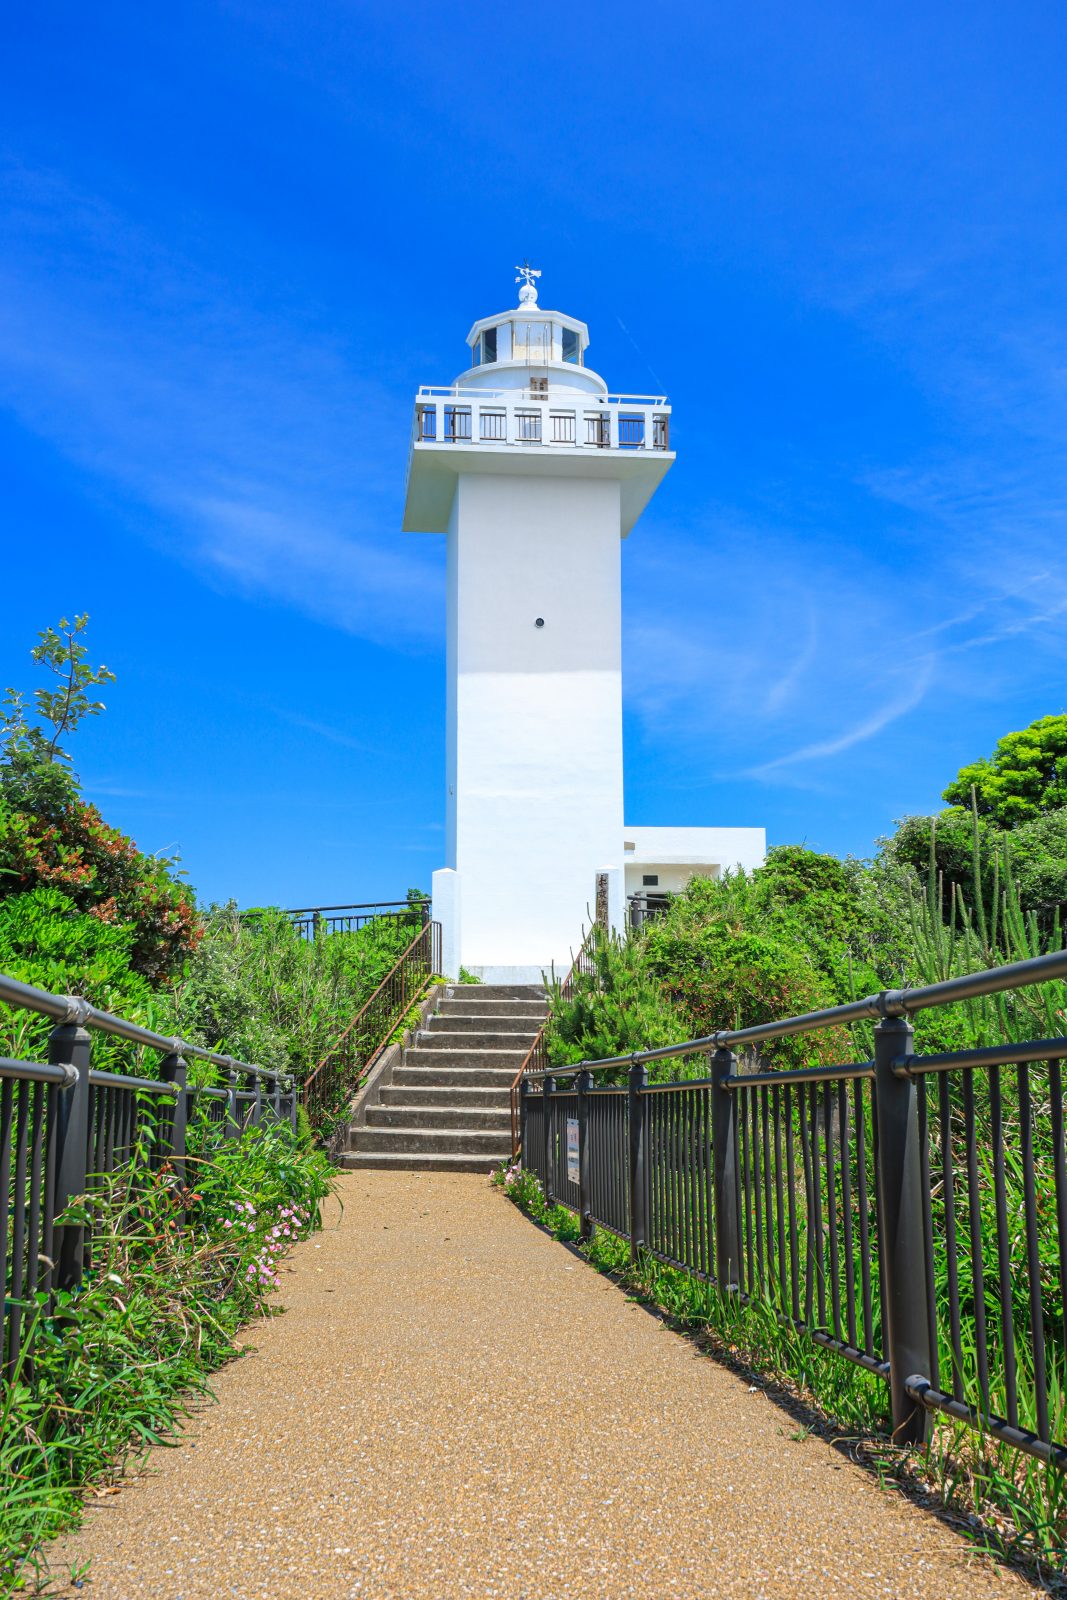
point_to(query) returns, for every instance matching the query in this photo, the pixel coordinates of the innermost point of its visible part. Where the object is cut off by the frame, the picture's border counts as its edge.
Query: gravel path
(454, 1406)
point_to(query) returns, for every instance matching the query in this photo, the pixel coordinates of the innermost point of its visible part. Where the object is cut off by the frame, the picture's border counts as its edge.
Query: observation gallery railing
(66, 1128)
(907, 1212)
(541, 416)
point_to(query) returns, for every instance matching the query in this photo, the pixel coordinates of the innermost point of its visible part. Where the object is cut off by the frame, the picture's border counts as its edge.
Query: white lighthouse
(535, 472)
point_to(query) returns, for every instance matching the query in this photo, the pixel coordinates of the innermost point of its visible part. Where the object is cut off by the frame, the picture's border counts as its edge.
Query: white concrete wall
(534, 714)
(677, 854)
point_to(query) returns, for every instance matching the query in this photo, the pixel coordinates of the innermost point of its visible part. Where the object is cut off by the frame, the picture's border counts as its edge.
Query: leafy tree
(966, 853)
(1026, 776)
(37, 772)
(1039, 862)
(51, 837)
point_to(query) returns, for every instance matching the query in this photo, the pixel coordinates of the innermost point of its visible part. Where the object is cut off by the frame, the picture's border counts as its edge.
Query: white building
(534, 472)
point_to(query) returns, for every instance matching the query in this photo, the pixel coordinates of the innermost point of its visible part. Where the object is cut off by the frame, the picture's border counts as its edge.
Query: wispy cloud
(859, 732)
(322, 729)
(815, 654)
(784, 688)
(269, 463)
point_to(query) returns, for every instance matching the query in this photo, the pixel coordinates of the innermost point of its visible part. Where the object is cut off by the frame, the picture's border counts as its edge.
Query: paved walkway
(454, 1406)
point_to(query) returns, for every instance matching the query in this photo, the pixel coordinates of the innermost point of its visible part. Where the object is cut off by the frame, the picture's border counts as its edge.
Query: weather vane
(526, 276)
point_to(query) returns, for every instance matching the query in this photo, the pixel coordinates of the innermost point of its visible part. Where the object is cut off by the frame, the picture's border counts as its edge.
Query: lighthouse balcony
(536, 418)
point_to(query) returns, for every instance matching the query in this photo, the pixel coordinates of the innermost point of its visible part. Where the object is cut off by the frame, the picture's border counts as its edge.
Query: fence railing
(536, 1059)
(313, 921)
(66, 1128)
(554, 418)
(907, 1212)
(642, 908)
(328, 1091)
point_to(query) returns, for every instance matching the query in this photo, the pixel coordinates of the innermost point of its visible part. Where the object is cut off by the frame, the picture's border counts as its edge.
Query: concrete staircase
(445, 1104)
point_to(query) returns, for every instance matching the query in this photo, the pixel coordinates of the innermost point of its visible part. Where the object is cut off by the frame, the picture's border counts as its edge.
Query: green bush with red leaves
(53, 839)
(102, 872)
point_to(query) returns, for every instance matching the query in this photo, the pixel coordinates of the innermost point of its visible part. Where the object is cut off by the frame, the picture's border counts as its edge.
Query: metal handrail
(118, 1080)
(37, 1072)
(73, 1008)
(361, 1013)
(428, 934)
(366, 905)
(836, 1194)
(70, 1128)
(887, 1003)
(434, 391)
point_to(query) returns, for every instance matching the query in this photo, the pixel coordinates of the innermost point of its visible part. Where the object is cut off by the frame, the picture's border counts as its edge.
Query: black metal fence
(536, 1059)
(907, 1212)
(66, 1128)
(645, 907)
(313, 921)
(328, 1091)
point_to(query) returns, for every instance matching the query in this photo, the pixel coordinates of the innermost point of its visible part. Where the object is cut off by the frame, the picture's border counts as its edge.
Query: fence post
(585, 1157)
(276, 1097)
(637, 1083)
(232, 1125)
(546, 1119)
(524, 1093)
(727, 1198)
(172, 1069)
(69, 1045)
(903, 1242)
(257, 1104)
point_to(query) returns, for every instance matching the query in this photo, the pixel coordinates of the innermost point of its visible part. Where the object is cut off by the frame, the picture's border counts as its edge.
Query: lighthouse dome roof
(513, 347)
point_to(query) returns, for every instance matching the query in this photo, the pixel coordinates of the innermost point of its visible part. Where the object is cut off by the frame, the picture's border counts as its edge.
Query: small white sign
(573, 1170)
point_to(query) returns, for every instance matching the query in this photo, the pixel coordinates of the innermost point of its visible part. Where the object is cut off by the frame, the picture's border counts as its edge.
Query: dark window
(489, 345)
(571, 352)
(650, 880)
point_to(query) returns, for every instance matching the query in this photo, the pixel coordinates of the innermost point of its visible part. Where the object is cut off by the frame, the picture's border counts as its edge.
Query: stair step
(514, 1027)
(488, 1119)
(494, 1142)
(447, 1107)
(446, 1039)
(466, 1077)
(435, 1094)
(420, 1161)
(421, 1055)
(494, 991)
(472, 1005)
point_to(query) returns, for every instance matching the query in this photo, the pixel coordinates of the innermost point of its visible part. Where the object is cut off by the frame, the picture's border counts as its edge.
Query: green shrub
(46, 941)
(618, 1008)
(257, 990)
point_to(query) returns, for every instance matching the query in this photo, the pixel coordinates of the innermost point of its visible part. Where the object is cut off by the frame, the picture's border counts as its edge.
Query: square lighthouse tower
(534, 472)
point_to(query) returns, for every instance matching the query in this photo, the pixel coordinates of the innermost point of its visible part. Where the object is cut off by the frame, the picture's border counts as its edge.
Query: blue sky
(236, 237)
